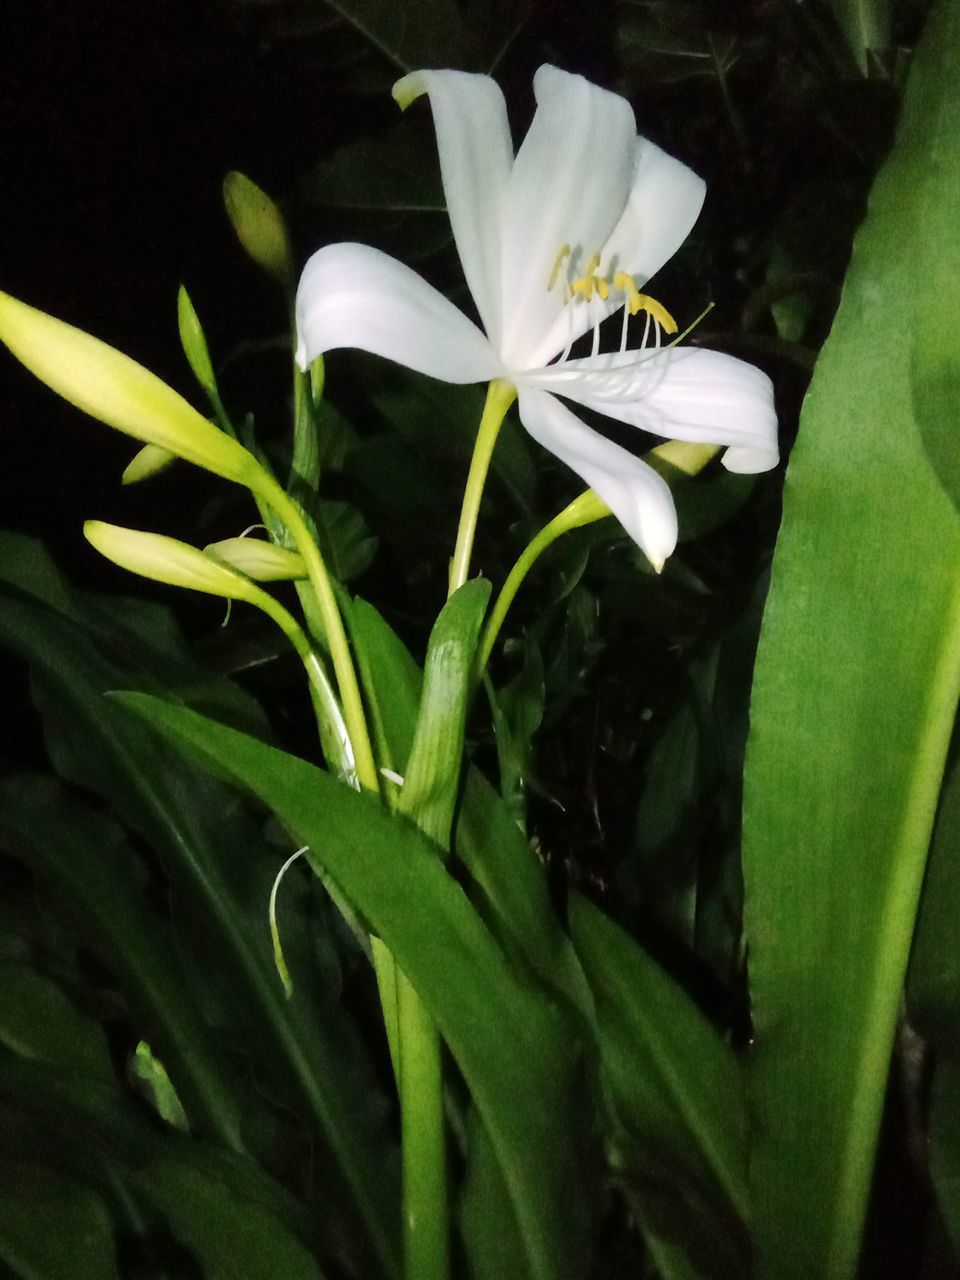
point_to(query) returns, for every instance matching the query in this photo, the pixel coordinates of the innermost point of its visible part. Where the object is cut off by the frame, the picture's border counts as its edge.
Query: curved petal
(680, 394)
(353, 296)
(664, 202)
(476, 156)
(569, 185)
(637, 496)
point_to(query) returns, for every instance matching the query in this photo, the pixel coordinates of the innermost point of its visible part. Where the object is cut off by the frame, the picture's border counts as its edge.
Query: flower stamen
(591, 282)
(637, 301)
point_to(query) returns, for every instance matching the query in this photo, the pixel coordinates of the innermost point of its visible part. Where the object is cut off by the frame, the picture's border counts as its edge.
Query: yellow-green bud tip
(408, 89)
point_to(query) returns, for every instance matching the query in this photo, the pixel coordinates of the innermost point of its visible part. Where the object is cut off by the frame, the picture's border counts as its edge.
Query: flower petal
(637, 496)
(664, 202)
(353, 296)
(680, 394)
(476, 156)
(569, 185)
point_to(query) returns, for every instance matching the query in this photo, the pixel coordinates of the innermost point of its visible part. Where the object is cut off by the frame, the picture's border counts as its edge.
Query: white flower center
(619, 380)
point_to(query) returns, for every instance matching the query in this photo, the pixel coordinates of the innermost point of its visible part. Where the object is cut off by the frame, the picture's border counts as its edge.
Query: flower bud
(259, 226)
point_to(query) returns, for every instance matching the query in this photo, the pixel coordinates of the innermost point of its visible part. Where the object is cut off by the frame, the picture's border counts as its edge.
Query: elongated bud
(264, 561)
(163, 559)
(194, 343)
(259, 226)
(149, 461)
(115, 389)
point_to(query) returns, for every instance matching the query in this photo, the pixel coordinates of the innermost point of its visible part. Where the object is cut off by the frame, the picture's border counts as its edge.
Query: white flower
(552, 242)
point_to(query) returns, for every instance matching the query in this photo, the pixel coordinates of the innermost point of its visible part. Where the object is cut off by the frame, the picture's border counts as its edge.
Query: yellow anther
(560, 259)
(591, 282)
(637, 301)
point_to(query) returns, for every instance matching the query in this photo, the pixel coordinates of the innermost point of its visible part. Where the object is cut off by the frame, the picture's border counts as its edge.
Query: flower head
(553, 241)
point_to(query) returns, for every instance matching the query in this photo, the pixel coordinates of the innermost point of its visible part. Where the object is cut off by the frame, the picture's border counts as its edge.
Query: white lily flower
(552, 242)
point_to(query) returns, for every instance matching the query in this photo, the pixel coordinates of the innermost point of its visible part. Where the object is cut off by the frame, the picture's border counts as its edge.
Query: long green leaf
(199, 832)
(84, 857)
(854, 695)
(518, 1054)
(676, 1086)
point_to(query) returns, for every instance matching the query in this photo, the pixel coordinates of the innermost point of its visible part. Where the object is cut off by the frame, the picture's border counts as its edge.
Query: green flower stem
(583, 510)
(330, 719)
(676, 456)
(340, 655)
(418, 1059)
(426, 1228)
(500, 396)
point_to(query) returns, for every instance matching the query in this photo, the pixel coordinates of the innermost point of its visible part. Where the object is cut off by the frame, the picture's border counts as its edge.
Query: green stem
(340, 655)
(676, 456)
(418, 1049)
(426, 1234)
(500, 396)
(583, 510)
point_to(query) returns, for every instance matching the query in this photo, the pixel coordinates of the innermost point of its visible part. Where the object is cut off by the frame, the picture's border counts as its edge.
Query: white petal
(476, 155)
(681, 394)
(637, 496)
(353, 296)
(569, 184)
(665, 201)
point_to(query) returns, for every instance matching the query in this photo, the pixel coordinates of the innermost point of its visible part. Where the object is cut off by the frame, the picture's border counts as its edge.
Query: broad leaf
(518, 1054)
(854, 696)
(675, 1086)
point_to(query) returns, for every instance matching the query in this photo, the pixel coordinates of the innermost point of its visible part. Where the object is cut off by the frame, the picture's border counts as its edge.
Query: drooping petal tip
(408, 89)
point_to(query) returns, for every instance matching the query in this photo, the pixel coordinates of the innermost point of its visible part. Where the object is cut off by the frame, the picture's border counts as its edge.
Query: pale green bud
(263, 561)
(259, 226)
(194, 343)
(110, 386)
(163, 559)
(150, 461)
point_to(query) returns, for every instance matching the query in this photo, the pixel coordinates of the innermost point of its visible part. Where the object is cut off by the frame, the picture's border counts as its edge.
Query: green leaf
(84, 857)
(53, 1229)
(492, 1238)
(676, 1087)
(432, 778)
(509, 886)
(230, 1234)
(196, 827)
(427, 34)
(518, 1054)
(345, 539)
(37, 1020)
(517, 711)
(853, 703)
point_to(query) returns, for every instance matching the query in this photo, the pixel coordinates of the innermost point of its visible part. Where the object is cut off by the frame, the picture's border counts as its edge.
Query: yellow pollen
(637, 301)
(591, 282)
(558, 267)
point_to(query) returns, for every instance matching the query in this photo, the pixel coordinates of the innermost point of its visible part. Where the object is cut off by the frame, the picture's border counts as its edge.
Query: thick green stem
(426, 1234)
(500, 396)
(418, 1057)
